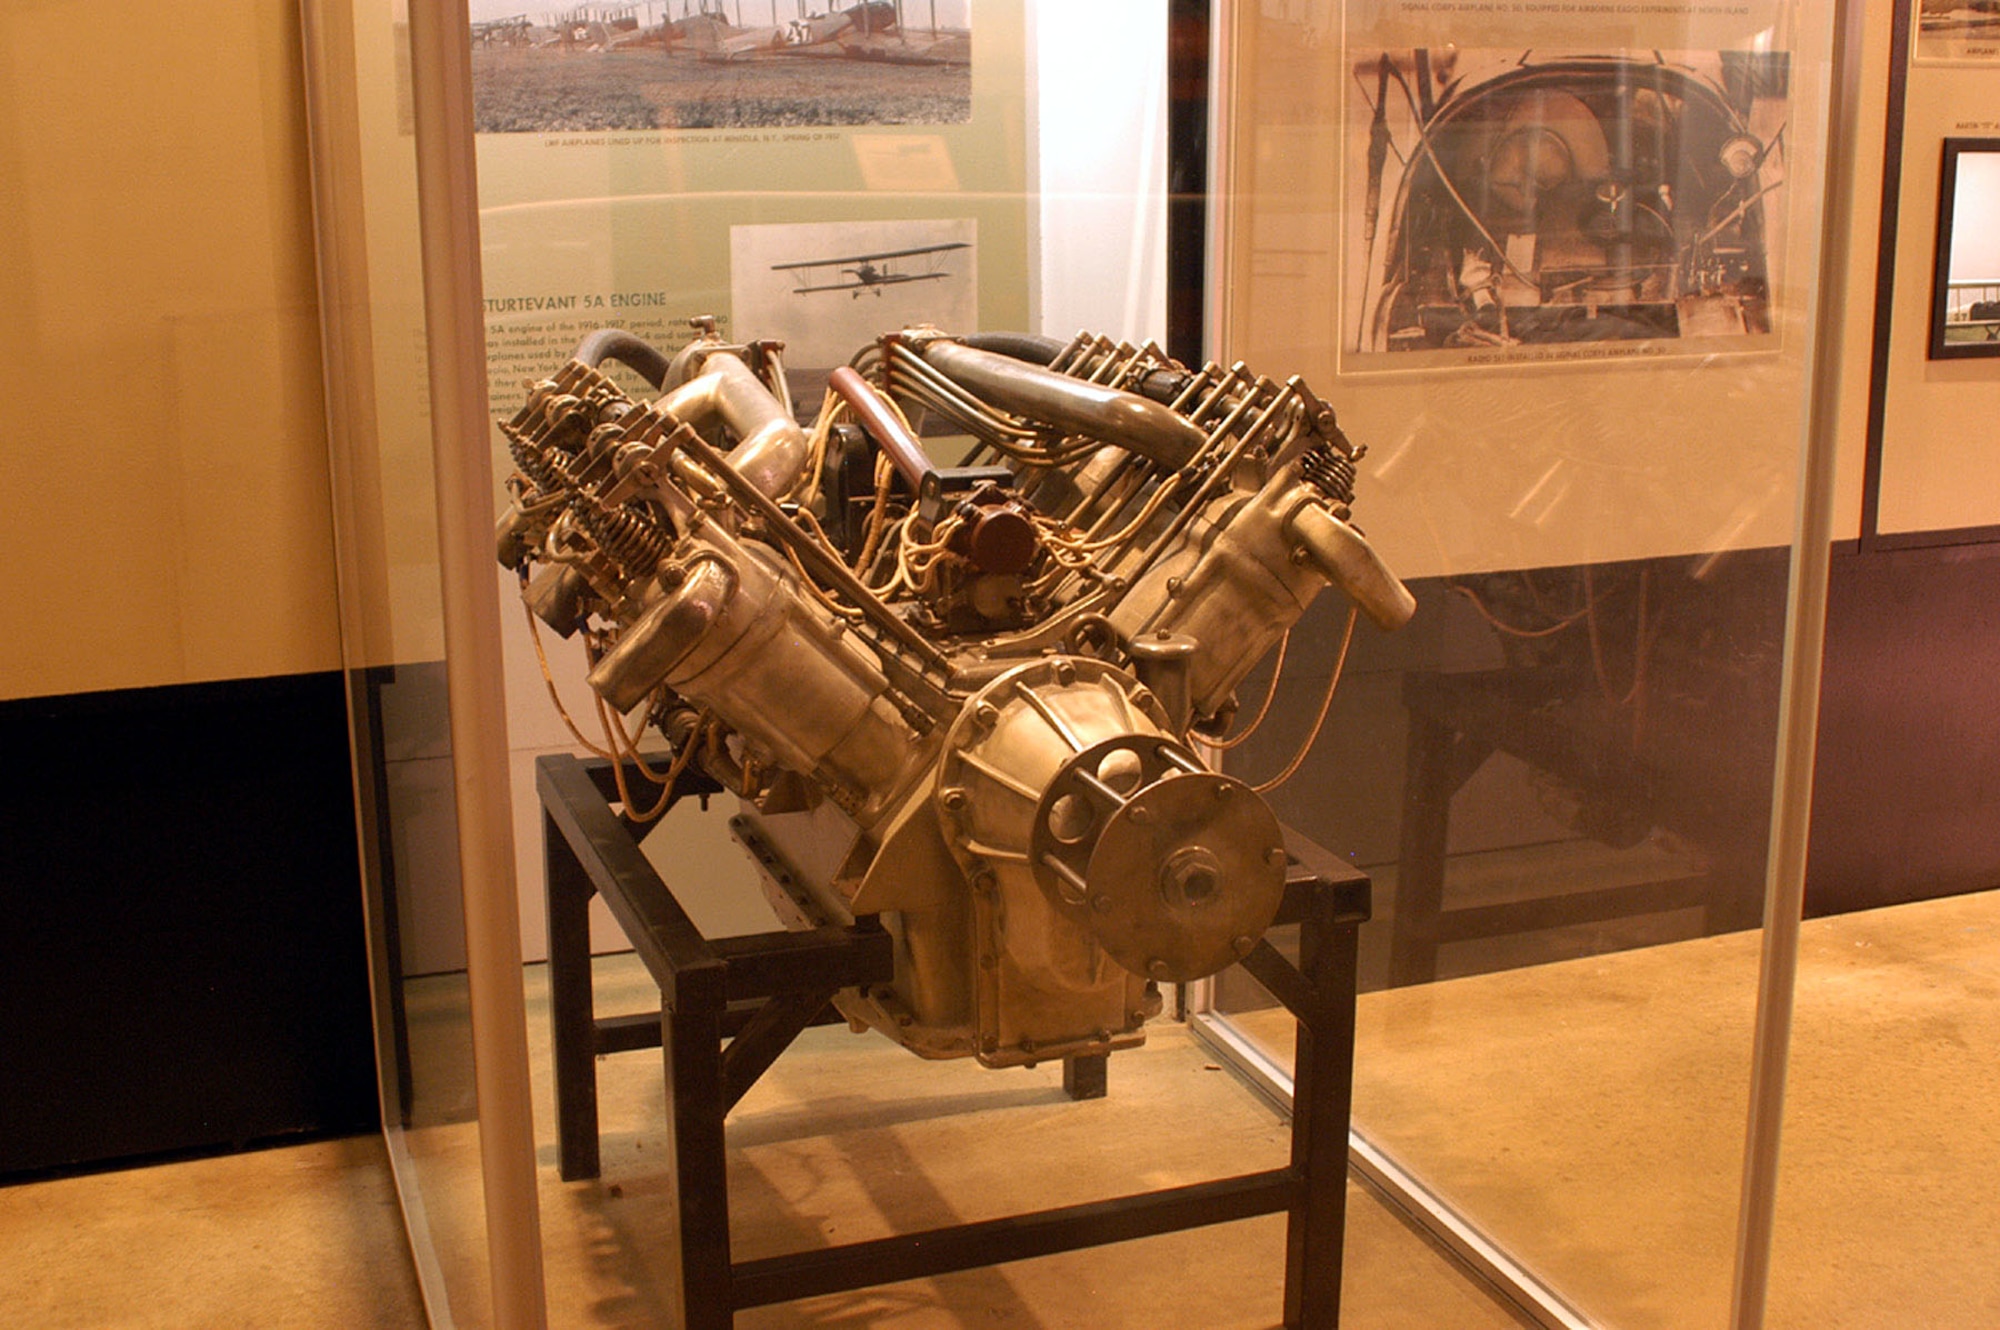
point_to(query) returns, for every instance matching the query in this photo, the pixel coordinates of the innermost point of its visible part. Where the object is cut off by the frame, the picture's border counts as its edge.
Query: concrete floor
(305, 1236)
(1588, 1114)
(847, 1138)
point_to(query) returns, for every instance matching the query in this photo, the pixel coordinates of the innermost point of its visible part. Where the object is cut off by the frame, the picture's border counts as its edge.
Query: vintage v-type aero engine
(964, 698)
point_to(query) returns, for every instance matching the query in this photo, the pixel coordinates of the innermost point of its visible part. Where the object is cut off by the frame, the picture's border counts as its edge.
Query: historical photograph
(720, 64)
(1957, 31)
(825, 288)
(1504, 199)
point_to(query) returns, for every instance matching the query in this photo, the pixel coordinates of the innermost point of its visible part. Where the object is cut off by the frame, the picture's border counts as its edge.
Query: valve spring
(545, 472)
(1330, 471)
(634, 540)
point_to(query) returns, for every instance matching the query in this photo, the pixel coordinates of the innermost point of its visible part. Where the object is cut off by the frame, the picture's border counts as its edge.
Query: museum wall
(163, 353)
(183, 964)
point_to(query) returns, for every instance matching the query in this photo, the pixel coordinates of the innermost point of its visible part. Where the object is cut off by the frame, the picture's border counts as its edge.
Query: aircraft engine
(968, 698)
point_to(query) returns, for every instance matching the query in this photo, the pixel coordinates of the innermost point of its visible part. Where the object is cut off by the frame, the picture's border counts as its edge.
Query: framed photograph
(1956, 32)
(1965, 297)
(698, 64)
(1531, 206)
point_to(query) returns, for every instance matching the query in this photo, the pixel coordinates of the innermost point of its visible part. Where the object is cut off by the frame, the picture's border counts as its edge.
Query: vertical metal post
(1322, 1097)
(1798, 707)
(461, 433)
(1219, 181)
(572, 1006)
(691, 1039)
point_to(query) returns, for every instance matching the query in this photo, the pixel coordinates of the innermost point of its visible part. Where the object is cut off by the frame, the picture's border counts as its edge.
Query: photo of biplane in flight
(871, 272)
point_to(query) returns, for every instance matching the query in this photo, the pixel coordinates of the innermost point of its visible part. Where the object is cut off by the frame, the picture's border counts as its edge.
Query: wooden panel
(162, 358)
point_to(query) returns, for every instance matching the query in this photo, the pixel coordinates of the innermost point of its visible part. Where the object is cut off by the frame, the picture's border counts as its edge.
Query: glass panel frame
(438, 1098)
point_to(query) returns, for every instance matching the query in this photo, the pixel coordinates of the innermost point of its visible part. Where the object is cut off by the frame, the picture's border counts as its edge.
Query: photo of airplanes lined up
(715, 64)
(1966, 18)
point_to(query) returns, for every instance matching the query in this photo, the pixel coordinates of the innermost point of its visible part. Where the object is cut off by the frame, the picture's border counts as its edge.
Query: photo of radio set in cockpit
(1508, 198)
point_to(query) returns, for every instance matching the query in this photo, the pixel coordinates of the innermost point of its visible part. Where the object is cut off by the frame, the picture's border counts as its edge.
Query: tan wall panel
(166, 510)
(1940, 469)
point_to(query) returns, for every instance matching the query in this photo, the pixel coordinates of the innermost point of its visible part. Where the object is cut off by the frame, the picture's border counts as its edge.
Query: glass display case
(1557, 287)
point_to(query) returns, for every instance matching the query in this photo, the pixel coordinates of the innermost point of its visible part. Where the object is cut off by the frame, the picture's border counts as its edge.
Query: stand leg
(1085, 1075)
(1322, 1095)
(691, 1036)
(571, 1013)
(1440, 761)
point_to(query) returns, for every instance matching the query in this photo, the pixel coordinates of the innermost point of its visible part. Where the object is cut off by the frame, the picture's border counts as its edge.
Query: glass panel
(1551, 265)
(1887, 1148)
(373, 327)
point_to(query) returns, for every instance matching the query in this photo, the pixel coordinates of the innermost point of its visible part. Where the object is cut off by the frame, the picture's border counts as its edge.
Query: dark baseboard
(182, 960)
(1907, 784)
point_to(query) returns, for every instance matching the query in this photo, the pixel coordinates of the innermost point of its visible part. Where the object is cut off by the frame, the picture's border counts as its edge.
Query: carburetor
(967, 699)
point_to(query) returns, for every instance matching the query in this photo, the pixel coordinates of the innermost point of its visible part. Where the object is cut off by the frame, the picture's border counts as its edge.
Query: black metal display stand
(1458, 721)
(758, 993)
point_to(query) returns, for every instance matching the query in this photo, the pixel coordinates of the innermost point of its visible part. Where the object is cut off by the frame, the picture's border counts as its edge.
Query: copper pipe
(883, 425)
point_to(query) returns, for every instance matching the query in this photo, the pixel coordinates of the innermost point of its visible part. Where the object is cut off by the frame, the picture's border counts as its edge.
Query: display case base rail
(730, 1007)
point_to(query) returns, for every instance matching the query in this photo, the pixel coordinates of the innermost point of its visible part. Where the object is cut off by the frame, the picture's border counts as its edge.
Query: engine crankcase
(1104, 858)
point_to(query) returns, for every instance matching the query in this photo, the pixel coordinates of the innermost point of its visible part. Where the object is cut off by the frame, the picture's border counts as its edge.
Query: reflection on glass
(1586, 760)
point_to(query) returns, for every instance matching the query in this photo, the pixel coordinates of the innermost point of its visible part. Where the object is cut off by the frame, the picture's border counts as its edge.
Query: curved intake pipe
(1031, 347)
(771, 450)
(1346, 558)
(1162, 385)
(626, 348)
(1134, 423)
